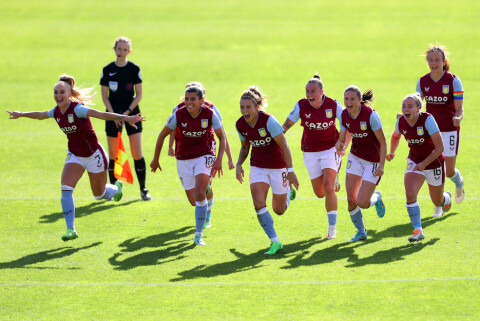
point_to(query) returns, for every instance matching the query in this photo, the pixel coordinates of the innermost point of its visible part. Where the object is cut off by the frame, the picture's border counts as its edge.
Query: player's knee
(363, 203)
(258, 205)
(279, 210)
(320, 194)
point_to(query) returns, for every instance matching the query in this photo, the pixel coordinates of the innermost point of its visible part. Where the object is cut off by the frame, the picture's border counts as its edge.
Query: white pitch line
(423, 197)
(173, 284)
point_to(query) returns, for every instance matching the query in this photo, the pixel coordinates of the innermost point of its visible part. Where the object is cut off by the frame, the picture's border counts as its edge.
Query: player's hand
(292, 179)
(132, 120)
(14, 114)
(390, 156)
(456, 121)
(239, 173)
(154, 165)
(339, 146)
(341, 152)
(171, 151)
(231, 164)
(217, 168)
(419, 167)
(379, 171)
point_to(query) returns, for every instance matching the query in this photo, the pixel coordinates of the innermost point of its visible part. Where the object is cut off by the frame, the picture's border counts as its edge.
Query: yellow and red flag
(122, 170)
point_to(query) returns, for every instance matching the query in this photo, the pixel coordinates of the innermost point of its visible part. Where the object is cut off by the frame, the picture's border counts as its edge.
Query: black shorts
(112, 130)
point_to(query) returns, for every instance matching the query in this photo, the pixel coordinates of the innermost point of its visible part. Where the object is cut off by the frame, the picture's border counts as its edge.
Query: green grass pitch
(135, 260)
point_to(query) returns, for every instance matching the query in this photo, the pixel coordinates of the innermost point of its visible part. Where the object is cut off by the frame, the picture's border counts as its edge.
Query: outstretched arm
(112, 116)
(29, 114)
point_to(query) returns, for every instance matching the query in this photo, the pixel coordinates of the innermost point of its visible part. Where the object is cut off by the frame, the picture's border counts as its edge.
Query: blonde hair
(316, 79)
(367, 97)
(253, 93)
(441, 49)
(123, 39)
(416, 98)
(80, 95)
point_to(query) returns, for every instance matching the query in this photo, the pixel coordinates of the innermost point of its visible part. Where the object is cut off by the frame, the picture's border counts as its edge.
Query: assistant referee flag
(122, 170)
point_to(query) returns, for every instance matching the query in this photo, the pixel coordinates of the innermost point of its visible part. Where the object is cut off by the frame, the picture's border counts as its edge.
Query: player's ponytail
(80, 95)
(366, 98)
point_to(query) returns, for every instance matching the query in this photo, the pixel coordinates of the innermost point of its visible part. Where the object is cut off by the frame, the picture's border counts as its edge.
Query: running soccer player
(174, 139)
(270, 162)
(317, 113)
(121, 84)
(425, 160)
(367, 156)
(443, 93)
(196, 161)
(84, 150)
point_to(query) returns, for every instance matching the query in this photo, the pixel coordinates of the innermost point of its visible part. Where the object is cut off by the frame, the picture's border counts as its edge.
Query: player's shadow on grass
(44, 256)
(173, 244)
(404, 230)
(346, 250)
(243, 262)
(392, 255)
(84, 210)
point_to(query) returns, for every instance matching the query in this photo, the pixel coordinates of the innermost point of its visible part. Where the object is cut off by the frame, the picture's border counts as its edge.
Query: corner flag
(122, 170)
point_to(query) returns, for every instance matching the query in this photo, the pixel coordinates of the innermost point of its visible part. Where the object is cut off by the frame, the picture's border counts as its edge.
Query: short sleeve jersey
(121, 83)
(319, 130)
(75, 123)
(419, 138)
(193, 139)
(265, 151)
(365, 144)
(440, 97)
(211, 133)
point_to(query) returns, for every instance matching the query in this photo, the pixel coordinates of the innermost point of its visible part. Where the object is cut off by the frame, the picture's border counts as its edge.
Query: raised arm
(29, 114)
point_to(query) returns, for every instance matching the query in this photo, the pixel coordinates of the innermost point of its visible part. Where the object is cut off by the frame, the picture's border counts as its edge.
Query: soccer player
(196, 161)
(425, 160)
(317, 113)
(270, 162)
(84, 150)
(443, 93)
(121, 84)
(174, 138)
(367, 156)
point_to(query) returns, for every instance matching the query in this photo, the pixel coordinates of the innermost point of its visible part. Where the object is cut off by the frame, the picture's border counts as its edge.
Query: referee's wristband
(290, 169)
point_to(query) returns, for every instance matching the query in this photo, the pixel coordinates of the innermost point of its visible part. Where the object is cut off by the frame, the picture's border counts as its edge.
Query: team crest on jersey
(363, 125)
(70, 118)
(328, 113)
(262, 132)
(113, 85)
(204, 123)
(420, 131)
(446, 89)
